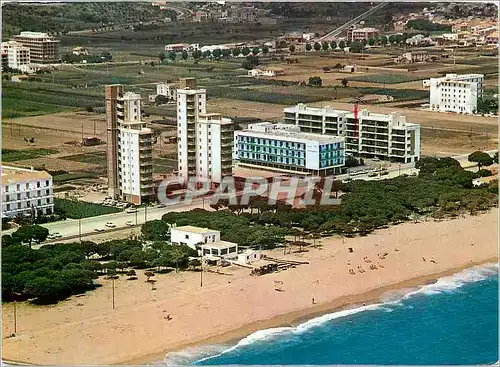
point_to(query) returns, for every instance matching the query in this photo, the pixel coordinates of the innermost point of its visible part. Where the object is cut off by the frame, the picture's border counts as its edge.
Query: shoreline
(297, 317)
(228, 308)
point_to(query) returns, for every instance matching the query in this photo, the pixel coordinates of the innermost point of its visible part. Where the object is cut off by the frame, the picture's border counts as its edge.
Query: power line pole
(113, 289)
(80, 228)
(15, 316)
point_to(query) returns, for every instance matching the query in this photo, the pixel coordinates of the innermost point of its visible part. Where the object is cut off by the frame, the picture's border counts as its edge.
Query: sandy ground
(86, 330)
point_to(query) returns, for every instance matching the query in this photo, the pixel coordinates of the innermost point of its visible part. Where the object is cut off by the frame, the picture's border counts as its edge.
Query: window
(47, 192)
(6, 188)
(27, 186)
(18, 187)
(8, 207)
(38, 184)
(18, 196)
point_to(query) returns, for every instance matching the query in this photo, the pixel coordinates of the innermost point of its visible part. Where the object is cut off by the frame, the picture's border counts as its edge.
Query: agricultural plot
(9, 155)
(164, 165)
(385, 78)
(14, 108)
(70, 176)
(79, 209)
(98, 158)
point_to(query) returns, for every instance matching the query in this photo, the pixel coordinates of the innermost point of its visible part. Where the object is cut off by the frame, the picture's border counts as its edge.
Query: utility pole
(113, 289)
(145, 213)
(136, 216)
(15, 315)
(80, 228)
(201, 272)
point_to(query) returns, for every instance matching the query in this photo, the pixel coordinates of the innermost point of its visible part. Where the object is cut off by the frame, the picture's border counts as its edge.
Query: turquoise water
(454, 321)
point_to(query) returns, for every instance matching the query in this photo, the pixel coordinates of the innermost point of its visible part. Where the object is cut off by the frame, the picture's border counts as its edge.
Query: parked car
(130, 223)
(110, 225)
(162, 206)
(99, 229)
(372, 174)
(131, 210)
(384, 172)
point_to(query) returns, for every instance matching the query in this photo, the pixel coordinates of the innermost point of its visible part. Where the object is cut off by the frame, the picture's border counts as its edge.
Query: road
(345, 26)
(74, 228)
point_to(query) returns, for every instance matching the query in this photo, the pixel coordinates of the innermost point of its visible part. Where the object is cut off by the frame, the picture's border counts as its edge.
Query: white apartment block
(215, 136)
(130, 147)
(26, 192)
(18, 56)
(284, 148)
(456, 93)
(387, 137)
(168, 90)
(205, 141)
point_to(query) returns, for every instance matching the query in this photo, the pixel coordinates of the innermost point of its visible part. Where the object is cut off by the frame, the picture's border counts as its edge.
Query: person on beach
(313, 301)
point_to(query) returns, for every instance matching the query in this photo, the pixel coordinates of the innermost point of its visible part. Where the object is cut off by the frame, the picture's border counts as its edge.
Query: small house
(249, 256)
(80, 51)
(348, 69)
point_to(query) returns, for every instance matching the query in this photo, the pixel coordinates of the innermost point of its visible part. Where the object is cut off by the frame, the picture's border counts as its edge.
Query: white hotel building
(456, 93)
(130, 147)
(388, 137)
(26, 192)
(205, 141)
(284, 148)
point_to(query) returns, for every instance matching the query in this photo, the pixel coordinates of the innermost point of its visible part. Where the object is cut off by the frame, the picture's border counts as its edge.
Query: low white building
(176, 47)
(249, 256)
(220, 250)
(285, 148)
(26, 192)
(191, 236)
(456, 93)
(308, 36)
(270, 71)
(419, 40)
(80, 51)
(204, 239)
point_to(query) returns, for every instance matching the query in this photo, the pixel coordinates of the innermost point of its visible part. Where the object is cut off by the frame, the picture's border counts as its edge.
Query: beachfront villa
(212, 246)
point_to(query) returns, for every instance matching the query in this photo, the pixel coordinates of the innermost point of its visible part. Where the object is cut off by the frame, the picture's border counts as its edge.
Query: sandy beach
(86, 330)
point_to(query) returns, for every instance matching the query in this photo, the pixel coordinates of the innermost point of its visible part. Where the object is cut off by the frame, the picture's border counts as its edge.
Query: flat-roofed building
(26, 192)
(43, 47)
(284, 148)
(358, 34)
(384, 136)
(203, 239)
(456, 93)
(18, 56)
(130, 147)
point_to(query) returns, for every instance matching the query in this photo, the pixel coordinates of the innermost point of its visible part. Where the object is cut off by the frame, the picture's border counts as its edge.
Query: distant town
(217, 141)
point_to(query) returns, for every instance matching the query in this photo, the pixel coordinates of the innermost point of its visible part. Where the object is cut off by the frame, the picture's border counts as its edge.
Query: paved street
(87, 226)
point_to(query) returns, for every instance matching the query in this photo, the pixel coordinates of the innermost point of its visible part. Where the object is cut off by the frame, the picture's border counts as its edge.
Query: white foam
(444, 284)
(455, 281)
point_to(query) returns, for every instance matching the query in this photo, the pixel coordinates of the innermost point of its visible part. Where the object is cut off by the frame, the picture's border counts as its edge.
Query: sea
(453, 321)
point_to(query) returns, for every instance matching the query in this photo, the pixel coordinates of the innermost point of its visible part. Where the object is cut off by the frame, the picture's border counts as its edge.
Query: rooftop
(193, 229)
(219, 245)
(12, 175)
(283, 132)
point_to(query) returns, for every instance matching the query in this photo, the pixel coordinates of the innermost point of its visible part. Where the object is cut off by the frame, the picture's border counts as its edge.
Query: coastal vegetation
(442, 189)
(55, 272)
